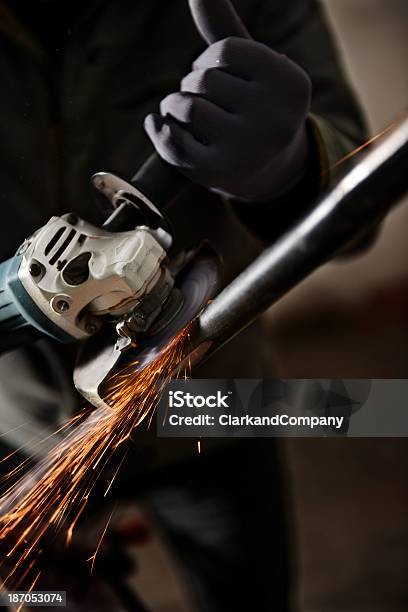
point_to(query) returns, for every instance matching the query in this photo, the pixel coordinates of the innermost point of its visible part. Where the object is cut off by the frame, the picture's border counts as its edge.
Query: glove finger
(176, 145)
(202, 118)
(216, 19)
(226, 91)
(242, 58)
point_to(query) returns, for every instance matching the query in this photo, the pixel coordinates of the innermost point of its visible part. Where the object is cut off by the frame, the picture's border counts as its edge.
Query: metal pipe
(356, 203)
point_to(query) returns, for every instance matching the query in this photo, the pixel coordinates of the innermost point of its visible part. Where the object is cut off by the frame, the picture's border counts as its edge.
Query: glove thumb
(216, 20)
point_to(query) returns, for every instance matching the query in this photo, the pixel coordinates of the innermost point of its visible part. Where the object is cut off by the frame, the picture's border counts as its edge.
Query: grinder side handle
(159, 181)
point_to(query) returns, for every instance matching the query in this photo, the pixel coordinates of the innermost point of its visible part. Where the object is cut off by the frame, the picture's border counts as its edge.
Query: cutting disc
(100, 356)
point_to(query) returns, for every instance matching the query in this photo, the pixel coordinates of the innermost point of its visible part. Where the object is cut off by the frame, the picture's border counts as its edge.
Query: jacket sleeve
(298, 29)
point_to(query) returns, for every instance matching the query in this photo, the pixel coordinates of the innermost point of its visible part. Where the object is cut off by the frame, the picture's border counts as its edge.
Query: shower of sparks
(52, 495)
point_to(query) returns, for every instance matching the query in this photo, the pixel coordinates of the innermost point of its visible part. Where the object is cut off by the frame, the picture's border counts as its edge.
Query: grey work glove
(237, 125)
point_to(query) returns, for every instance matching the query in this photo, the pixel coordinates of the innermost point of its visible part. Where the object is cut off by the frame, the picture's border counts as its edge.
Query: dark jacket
(66, 114)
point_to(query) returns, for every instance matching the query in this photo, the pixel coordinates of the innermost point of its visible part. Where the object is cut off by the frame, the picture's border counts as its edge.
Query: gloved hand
(237, 125)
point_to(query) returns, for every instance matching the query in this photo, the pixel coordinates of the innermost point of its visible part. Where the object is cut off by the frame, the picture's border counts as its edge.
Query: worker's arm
(260, 119)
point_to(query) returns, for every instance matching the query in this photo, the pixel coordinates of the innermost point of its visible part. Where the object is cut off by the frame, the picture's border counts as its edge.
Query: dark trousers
(223, 514)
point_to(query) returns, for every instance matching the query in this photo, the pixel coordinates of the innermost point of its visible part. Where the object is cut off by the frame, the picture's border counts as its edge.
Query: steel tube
(357, 202)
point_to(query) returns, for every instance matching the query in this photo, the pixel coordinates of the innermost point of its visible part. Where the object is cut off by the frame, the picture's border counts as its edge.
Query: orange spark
(359, 149)
(93, 557)
(57, 489)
